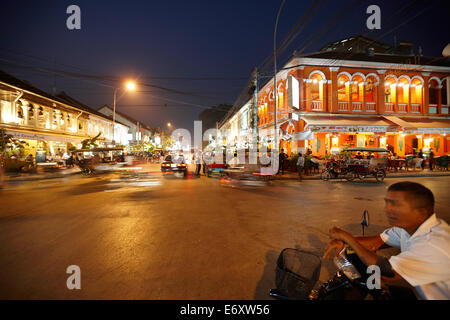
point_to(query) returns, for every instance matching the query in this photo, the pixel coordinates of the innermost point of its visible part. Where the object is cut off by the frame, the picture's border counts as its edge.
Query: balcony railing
(415, 107)
(356, 106)
(402, 107)
(316, 106)
(389, 106)
(444, 109)
(370, 107)
(342, 105)
(432, 108)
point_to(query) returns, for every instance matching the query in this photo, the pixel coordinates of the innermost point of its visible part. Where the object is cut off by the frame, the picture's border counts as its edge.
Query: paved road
(150, 236)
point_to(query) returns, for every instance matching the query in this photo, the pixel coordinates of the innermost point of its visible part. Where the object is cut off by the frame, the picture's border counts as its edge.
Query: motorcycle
(337, 171)
(297, 278)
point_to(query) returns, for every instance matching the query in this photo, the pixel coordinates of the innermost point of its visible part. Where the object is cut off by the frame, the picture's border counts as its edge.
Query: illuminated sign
(293, 92)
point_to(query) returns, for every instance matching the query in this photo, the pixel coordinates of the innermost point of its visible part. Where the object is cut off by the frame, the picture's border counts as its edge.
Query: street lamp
(275, 89)
(129, 86)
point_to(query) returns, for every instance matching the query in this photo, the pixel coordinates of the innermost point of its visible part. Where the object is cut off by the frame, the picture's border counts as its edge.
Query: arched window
(357, 88)
(403, 90)
(433, 91)
(390, 85)
(343, 88)
(280, 97)
(317, 87)
(444, 98)
(371, 87)
(416, 91)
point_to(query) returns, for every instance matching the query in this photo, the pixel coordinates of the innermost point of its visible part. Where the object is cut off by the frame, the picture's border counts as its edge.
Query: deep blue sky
(192, 39)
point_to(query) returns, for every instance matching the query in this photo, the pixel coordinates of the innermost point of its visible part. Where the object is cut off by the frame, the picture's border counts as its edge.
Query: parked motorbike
(337, 171)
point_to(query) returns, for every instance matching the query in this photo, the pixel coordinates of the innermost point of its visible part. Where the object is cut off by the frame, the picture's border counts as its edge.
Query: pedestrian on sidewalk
(300, 165)
(420, 155)
(431, 159)
(281, 158)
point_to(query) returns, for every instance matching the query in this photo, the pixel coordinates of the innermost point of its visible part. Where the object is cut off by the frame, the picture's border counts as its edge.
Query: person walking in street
(198, 162)
(431, 159)
(300, 165)
(281, 158)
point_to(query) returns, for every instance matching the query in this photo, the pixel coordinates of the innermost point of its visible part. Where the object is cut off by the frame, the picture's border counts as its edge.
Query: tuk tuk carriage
(364, 164)
(99, 159)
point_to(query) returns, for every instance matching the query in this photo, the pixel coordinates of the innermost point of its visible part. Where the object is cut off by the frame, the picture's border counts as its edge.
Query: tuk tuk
(99, 159)
(364, 163)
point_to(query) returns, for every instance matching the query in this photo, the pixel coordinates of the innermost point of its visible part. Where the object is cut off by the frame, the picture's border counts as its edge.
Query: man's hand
(339, 234)
(337, 245)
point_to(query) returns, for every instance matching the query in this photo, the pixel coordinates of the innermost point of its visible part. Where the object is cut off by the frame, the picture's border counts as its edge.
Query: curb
(387, 177)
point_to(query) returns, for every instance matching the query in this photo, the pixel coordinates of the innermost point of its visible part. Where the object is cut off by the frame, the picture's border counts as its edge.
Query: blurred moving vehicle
(174, 163)
(99, 159)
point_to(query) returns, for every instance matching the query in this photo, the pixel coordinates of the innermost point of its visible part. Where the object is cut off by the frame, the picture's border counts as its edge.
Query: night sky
(204, 49)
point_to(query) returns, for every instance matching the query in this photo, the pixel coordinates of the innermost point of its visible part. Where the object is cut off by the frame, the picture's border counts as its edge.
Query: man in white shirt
(424, 241)
(300, 165)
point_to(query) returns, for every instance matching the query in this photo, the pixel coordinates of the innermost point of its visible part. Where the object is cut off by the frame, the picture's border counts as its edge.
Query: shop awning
(45, 137)
(349, 124)
(421, 125)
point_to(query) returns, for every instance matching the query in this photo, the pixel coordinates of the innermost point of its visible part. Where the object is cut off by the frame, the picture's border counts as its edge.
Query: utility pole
(275, 142)
(255, 106)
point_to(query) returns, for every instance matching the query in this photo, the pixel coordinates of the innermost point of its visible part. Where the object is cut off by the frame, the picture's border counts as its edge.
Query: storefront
(49, 145)
(330, 135)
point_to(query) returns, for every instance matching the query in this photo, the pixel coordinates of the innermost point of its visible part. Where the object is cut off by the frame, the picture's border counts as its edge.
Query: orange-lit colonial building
(359, 92)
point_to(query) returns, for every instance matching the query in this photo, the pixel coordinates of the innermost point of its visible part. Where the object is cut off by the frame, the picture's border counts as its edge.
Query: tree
(9, 143)
(90, 143)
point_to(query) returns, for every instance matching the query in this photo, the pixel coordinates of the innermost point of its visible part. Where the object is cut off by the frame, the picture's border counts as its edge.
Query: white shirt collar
(426, 226)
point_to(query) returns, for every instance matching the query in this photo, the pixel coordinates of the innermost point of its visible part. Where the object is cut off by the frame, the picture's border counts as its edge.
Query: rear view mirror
(365, 220)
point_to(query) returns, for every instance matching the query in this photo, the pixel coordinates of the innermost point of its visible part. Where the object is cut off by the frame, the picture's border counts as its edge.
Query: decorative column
(426, 95)
(307, 83)
(447, 82)
(334, 88)
(380, 108)
(36, 115)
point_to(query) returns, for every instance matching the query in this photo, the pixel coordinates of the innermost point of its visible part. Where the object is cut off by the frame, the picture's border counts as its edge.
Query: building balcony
(370, 106)
(316, 105)
(444, 109)
(389, 106)
(402, 107)
(415, 107)
(342, 105)
(356, 106)
(432, 108)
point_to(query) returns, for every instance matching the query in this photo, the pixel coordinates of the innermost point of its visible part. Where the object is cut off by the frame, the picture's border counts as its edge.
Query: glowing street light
(129, 86)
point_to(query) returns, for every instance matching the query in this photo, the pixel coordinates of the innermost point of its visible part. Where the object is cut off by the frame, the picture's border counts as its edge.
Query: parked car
(173, 163)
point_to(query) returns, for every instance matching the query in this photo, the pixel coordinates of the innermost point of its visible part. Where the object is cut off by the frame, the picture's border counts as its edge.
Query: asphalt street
(154, 236)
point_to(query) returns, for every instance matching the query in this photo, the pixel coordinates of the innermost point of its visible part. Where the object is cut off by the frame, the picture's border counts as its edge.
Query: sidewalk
(400, 174)
(148, 167)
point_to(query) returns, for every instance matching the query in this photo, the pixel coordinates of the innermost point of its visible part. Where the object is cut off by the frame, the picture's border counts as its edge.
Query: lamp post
(129, 86)
(275, 142)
